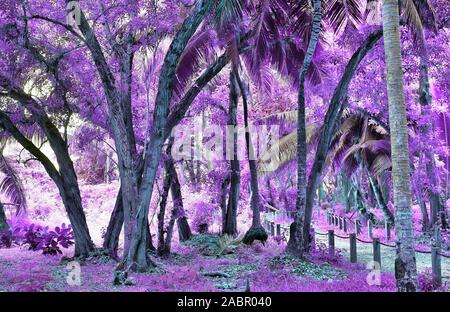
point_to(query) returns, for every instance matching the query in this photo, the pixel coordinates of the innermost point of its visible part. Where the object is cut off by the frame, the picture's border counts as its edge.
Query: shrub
(39, 238)
(9, 237)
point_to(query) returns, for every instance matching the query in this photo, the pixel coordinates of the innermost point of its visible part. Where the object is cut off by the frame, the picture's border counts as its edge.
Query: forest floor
(196, 266)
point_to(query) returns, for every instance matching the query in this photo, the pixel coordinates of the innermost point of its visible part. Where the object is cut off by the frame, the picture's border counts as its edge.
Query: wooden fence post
(331, 242)
(436, 266)
(336, 220)
(340, 223)
(328, 218)
(353, 253)
(369, 228)
(377, 251)
(278, 230)
(387, 228)
(344, 221)
(272, 228)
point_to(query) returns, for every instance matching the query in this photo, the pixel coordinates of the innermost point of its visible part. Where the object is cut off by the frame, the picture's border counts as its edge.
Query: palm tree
(299, 234)
(11, 186)
(405, 262)
(361, 141)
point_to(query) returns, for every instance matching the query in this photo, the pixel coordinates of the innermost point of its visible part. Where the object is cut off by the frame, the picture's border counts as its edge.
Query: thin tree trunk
(405, 262)
(177, 209)
(299, 241)
(256, 231)
(184, 230)
(162, 211)
(423, 210)
(425, 100)
(223, 201)
(388, 216)
(230, 227)
(111, 239)
(3, 224)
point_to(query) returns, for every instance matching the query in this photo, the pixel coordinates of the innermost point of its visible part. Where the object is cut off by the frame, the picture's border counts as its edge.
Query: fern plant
(226, 241)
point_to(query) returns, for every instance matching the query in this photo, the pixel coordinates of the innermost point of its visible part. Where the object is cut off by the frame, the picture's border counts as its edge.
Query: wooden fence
(341, 222)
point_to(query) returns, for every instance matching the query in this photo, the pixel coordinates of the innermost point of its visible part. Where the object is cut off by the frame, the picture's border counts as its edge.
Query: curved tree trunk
(111, 239)
(3, 224)
(177, 213)
(230, 227)
(333, 115)
(405, 262)
(65, 178)
(299, 241)
(184, 230)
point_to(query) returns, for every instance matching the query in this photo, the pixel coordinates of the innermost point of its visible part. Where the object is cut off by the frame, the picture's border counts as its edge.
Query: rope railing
(341, 222)
(435, 252)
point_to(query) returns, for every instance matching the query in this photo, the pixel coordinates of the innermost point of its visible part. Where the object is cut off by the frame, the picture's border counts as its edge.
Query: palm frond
(412, 17)
(228, 11)
(302, 15)
(381, 164)
(289, 116)
(198, 50)
(427, 13)
(11, 186)
(344, 13)
(284, 150)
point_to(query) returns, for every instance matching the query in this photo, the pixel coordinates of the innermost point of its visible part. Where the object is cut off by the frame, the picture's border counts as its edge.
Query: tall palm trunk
(230, 227)
(256, 231)
(299, 238)
(3, 224)
(425, 100)
(405, 262)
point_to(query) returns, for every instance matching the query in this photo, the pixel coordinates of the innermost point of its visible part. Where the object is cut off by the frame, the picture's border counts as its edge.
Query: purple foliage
(39, 238)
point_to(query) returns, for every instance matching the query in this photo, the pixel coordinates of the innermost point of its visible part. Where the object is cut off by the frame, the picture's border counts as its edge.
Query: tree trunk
(333, 115)
(346, 189)
(423, 210)
(184, 230)
(230, 227)
(162, 211)
(65, 179)
(299, 242)
(137, 258)
(223, 201)
(405, 262)
(111, 239)
(256, 231)
(425, 100)
(388, 216)
(3, 224)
